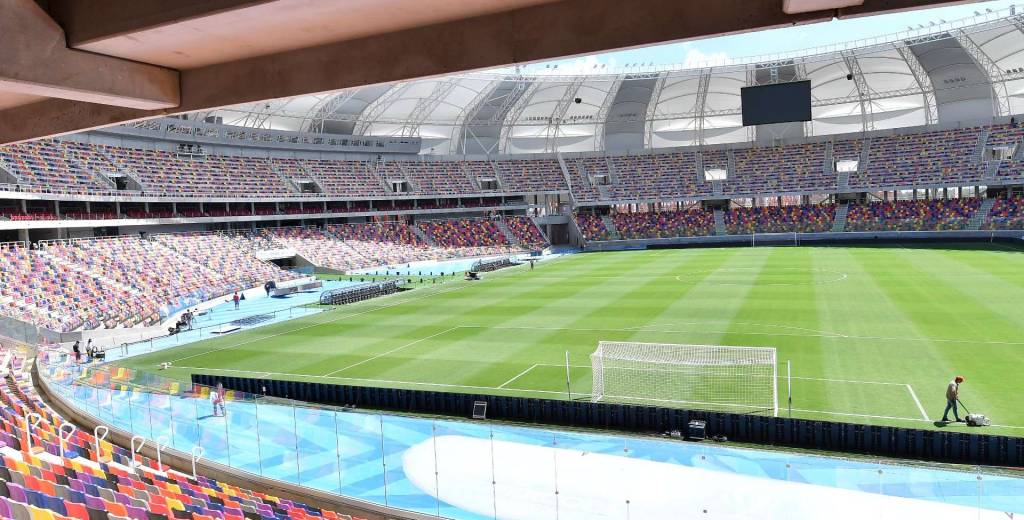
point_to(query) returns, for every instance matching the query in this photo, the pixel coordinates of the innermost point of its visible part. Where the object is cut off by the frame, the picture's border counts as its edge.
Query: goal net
(720, 378)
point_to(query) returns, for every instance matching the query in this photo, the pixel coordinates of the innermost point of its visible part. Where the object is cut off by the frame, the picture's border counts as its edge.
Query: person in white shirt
(217, 399)
(952, 394)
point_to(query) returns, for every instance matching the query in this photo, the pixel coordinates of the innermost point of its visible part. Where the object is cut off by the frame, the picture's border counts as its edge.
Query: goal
(708, 377)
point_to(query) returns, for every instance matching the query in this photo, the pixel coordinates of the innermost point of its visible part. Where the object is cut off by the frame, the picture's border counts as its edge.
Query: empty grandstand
(390, 301)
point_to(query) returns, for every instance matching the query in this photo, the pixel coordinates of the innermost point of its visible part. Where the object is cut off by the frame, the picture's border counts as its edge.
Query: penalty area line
(521, 374)
(396, 349)
(917, 402)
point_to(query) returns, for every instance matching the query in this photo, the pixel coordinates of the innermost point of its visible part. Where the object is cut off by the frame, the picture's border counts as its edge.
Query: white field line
(844, 414)
(521, 374)
(396, 349)
(794, 377)
(384, 381)
(917, 402)
(339, 318)
(521, 390)
(740, 333)
(464, 285)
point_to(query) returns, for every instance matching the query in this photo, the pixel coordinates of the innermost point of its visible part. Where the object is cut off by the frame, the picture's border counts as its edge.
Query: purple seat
(136, 513)
(95, 503)
(17, 493)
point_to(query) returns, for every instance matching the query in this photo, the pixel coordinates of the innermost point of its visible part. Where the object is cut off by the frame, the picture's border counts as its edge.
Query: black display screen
(778, 103)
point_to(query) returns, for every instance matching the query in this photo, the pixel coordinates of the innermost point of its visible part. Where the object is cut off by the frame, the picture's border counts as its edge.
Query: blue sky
(718, 50)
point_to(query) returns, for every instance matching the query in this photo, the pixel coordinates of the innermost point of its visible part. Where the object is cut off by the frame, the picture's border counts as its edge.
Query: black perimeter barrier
(484, 266)
(887, 441)
(361, 292)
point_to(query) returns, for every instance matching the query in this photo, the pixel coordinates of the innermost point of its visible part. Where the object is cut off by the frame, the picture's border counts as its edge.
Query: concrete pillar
(56, 208)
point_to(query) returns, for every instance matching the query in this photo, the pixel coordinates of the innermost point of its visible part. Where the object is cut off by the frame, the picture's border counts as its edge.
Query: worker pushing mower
(953, 399)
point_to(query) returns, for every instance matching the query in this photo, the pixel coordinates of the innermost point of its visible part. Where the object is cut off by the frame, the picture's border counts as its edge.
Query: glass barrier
(473, 470)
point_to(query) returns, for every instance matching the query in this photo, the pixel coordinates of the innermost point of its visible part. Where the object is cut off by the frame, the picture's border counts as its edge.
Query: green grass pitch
(873, 333)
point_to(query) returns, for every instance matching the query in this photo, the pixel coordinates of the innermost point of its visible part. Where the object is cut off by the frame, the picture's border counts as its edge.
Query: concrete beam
(566, 28)
(85, 22)
(35, 61)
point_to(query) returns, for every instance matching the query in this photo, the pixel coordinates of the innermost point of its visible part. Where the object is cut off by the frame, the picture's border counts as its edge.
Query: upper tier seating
(665, 224)
(794, 168)
(523, 175)
(926, 158)
(934, 158)
(41, 482)
(580, 172)
(658, 176)
(784, 219)
(912, 215)
(52, 163)
(171, 173)
(348, 178)
(437, 177)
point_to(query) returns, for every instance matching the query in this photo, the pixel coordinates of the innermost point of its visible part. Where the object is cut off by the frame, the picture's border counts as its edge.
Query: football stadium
(516, 259)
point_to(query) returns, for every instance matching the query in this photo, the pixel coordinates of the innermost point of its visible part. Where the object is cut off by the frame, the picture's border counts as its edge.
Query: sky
(720, 50)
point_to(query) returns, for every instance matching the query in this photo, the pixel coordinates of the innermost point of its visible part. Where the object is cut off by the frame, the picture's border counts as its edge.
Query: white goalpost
(708, 377)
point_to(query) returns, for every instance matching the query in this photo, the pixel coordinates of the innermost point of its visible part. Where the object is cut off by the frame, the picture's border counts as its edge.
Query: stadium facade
(911, 133)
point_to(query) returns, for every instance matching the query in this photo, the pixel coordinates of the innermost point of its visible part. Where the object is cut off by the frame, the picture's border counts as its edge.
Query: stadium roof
(69, 65)
(969, 69)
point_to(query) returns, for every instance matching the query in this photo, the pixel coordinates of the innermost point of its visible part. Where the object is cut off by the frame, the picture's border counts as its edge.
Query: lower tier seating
(912, 215)
(780, 219)
(41, 481)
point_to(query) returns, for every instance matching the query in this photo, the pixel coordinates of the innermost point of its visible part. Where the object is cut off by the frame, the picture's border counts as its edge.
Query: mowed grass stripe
(446, 355)
(897, 317)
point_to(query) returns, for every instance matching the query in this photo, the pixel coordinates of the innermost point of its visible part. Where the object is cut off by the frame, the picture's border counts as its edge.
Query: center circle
(749, 276)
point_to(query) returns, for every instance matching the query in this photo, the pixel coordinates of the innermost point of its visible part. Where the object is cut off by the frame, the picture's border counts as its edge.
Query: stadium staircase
(375, 172)
(1018, 154)
(865, 155)
(99, 177)
(473, 181)
(497, 175)
(720, 228)
(979, 150)
(509, 235)
(839, 223)
(981, 215)
(991, 169)
(287, 181)
(565, 175)
(135, 183)
(829, 166)
(7, 175)
(609, 224)
(843, 181)
(423, 236)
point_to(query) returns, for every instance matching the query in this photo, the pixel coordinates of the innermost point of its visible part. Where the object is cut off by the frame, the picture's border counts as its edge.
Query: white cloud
(695, 58)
